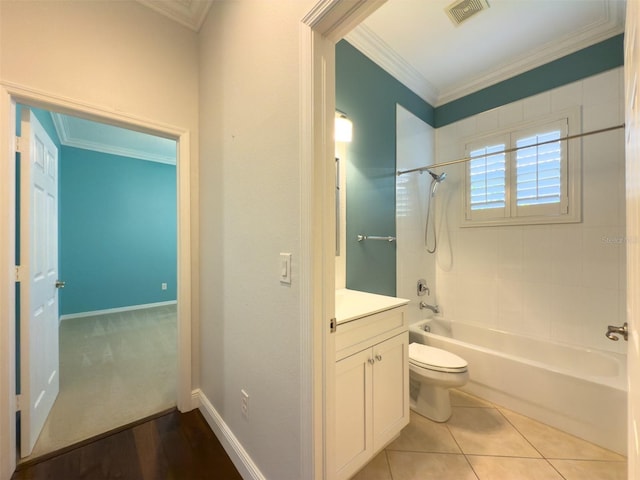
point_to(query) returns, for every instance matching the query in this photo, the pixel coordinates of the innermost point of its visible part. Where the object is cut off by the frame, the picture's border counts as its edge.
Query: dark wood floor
(173, 446)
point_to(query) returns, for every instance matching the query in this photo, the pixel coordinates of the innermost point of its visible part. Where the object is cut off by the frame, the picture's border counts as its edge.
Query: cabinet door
(390, 389)
(353, 413)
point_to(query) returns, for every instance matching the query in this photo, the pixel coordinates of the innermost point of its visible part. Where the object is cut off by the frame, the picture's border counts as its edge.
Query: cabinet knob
(378, 357)
(371, 361)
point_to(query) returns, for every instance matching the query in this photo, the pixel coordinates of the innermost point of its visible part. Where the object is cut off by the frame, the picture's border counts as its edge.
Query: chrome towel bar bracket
(362, 238)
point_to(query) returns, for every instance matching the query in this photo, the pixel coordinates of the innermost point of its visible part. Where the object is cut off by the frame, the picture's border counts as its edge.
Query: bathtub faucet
(433, 308)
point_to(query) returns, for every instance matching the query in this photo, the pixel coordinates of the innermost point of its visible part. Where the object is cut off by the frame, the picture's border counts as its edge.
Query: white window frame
(569, 210)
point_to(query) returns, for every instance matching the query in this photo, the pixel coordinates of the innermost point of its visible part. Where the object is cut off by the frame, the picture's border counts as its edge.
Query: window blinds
(487, 175)
(539, 169)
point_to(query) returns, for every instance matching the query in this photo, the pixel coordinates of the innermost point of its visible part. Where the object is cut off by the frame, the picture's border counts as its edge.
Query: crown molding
(67, 138)
(190, 13)
(609, 25)
(376, 49)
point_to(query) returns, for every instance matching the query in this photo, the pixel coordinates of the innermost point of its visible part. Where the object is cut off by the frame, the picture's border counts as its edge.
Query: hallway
(172, 446)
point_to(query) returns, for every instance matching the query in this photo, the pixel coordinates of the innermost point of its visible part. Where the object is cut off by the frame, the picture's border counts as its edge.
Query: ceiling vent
(464, 9)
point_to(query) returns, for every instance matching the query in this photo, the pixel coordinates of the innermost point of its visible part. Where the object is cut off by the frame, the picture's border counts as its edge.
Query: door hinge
(332, 325)
(18, 273)
(18, 403)
(18, 145)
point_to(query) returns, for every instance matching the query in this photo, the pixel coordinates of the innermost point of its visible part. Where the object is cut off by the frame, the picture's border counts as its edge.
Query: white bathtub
(576, 390)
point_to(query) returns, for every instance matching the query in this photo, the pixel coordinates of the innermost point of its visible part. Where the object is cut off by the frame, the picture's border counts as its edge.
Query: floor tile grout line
(389, 452)
(506, 456)
(386, 456)
(425, 452)
(595, 460)
(555, 469)
(521, 434)
(542, 457)
(446, 424)
(471, 466)
(562, 432)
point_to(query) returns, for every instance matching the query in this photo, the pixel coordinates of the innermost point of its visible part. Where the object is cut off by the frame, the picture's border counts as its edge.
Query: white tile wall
(559, 282)
(341, 258)
(415, 148)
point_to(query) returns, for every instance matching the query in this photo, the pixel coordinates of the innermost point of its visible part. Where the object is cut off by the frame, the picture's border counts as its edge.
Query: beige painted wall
(238, 84)
(250, 197)
(117, 56)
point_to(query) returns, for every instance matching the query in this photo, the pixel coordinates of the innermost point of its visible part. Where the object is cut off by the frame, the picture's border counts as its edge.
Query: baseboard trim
(239, 456)
(116, 310)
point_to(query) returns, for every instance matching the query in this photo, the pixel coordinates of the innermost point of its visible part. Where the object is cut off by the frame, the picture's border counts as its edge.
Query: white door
(632, 114)
(39, 372)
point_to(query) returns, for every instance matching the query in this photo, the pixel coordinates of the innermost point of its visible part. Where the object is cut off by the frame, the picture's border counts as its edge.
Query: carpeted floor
(114, 369)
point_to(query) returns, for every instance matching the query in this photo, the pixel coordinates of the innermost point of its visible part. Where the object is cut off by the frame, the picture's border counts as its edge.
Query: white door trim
(10, 94)
(326, 23)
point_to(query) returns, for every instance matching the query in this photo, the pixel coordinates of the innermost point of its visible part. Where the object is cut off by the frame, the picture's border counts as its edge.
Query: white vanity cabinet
(372, 386)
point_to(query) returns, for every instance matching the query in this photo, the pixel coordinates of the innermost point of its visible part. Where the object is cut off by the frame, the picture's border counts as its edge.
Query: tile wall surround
(563, 282)
(413, 136)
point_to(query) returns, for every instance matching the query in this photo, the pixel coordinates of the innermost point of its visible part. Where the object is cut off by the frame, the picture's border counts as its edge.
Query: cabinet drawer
(351, 337)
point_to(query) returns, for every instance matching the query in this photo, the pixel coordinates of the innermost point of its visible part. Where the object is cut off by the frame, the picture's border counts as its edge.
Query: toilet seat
(436, 359)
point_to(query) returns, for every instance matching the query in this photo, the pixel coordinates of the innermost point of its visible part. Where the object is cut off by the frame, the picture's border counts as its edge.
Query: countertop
(352, 304)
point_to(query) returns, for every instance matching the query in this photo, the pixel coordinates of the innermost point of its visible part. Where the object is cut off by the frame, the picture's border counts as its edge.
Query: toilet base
(431, 402)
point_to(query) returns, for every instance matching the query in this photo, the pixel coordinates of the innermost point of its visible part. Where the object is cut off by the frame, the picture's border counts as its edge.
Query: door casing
(10, 95)
(325, 24)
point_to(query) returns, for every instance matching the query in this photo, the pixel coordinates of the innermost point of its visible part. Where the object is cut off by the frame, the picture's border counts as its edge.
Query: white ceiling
(190, 13)
(417, 43)
(100, 137)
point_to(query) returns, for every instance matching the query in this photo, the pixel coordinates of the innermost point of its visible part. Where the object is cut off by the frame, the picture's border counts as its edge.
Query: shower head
(436, 177)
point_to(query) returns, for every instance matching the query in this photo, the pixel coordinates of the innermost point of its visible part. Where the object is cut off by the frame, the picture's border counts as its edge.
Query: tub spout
(433, 308)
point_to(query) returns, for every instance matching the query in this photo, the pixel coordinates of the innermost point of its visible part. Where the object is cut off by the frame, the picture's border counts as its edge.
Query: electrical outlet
(244, 404)
(163, 286)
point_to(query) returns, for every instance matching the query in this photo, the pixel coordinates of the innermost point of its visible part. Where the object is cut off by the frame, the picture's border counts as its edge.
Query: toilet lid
(435, 358)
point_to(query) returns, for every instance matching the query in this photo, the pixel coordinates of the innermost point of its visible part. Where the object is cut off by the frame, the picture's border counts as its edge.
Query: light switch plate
(285, 268)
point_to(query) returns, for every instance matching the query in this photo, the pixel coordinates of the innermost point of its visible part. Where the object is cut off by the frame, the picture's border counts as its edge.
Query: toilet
(432, 372)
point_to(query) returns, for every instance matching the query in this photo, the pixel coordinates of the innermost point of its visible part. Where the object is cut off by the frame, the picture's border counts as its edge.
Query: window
(526, 175)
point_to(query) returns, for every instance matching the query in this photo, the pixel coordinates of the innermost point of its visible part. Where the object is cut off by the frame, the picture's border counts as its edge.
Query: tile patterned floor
(482, 441)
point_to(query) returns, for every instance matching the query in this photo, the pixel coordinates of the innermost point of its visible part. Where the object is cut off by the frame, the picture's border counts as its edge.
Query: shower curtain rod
(508, 150)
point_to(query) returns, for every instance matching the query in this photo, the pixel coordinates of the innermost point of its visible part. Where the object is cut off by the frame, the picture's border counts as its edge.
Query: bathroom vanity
(372, 376)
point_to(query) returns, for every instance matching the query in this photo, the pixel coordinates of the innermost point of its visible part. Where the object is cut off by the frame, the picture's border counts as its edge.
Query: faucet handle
(422, 287)
(612, 330)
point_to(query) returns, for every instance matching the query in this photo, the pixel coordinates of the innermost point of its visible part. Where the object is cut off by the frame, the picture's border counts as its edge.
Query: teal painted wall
(589, 61)
(368, 95)
(117, 231)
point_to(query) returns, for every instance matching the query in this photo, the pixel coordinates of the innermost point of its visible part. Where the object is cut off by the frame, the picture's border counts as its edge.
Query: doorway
(9, 97)
(324, 102)
(117, 256)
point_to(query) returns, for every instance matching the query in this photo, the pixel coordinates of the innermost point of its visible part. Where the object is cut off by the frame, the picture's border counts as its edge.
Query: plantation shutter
(487, 177)
(536, 181)
(540, 176)
(538, 170)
